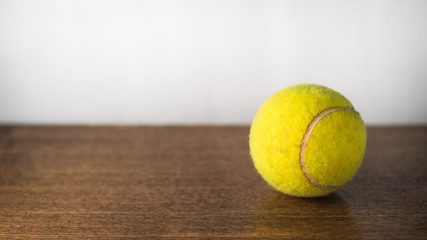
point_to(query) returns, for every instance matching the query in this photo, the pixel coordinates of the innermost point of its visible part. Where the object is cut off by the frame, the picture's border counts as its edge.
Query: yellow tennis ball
(307, 140)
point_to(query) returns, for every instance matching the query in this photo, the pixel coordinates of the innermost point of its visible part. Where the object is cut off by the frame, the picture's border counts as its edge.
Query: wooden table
(196, 182)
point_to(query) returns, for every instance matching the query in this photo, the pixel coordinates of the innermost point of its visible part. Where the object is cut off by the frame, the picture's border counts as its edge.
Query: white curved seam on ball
(305, 139)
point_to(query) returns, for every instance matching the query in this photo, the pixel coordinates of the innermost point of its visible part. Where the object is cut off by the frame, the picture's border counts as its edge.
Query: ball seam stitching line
(306, 137)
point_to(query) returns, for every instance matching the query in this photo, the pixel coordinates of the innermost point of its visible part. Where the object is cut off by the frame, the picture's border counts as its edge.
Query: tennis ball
(307, 140)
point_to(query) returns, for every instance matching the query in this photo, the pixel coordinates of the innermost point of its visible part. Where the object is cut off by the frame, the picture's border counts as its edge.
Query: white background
(206, 62)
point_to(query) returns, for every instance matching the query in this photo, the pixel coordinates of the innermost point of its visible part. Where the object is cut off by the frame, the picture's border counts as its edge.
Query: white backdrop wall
(206, 62)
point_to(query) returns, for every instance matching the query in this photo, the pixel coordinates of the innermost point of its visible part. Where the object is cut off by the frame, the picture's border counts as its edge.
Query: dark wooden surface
(196, 182)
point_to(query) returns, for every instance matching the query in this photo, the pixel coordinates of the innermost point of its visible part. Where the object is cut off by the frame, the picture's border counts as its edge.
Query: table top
(196, 182)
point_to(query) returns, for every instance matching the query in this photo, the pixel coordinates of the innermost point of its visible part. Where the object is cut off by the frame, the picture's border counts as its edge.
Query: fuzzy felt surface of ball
(307, 140)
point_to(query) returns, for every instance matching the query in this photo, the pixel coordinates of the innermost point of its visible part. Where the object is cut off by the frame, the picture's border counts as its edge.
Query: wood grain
(196, 182)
